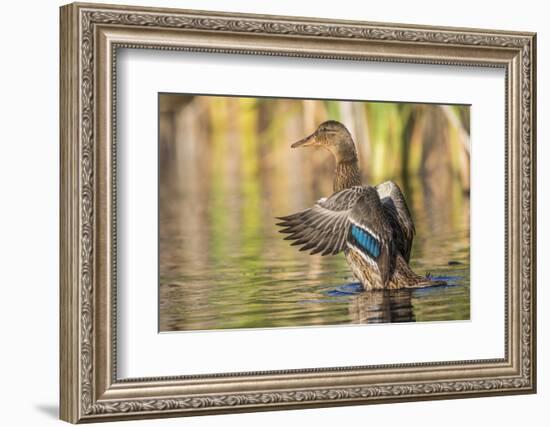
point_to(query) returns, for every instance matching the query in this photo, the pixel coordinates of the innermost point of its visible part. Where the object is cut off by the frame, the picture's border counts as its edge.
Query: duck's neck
(347, 174)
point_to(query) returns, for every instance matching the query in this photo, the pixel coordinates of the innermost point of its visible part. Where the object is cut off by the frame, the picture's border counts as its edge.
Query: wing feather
(369, 215)
(323, 228)
(399, 217)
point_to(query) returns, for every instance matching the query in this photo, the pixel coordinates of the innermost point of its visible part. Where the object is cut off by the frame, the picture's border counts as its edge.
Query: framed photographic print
(265, 212)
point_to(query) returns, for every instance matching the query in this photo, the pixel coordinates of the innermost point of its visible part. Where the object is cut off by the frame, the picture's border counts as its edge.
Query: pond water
(223, 265)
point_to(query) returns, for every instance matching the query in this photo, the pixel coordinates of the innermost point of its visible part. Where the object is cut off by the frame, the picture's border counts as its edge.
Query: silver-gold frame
(90, 37)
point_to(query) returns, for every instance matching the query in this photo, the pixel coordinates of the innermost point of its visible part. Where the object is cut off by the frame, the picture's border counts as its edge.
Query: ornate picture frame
(90, 37)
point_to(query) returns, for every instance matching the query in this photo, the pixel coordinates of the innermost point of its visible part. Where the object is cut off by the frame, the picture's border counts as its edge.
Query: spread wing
(398, 215)
(371, 233)
(324, 227)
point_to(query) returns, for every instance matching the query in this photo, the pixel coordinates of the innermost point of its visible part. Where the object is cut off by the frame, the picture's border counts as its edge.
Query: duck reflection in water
(384, 306)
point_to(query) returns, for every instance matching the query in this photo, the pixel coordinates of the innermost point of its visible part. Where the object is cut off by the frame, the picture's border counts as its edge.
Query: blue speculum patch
(366, 241)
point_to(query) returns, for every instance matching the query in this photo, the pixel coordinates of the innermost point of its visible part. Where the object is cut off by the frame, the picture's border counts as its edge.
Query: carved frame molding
(90, 37)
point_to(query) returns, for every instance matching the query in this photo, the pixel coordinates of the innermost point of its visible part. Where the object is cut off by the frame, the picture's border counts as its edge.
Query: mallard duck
(371, 225)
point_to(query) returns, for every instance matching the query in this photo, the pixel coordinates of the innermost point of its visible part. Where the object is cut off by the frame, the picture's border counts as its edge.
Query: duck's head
(333, 136)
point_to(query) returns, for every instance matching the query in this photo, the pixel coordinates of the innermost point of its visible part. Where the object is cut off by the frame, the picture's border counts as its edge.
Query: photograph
(286, 212)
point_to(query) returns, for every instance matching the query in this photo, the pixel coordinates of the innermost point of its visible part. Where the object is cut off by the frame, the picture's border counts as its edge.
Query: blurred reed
(394, 140)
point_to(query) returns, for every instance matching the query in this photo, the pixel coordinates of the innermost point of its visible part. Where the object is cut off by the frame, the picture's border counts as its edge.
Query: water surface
(220, 273)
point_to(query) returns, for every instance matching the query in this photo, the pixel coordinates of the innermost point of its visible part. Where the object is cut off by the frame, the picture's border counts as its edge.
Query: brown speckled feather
(346, 175)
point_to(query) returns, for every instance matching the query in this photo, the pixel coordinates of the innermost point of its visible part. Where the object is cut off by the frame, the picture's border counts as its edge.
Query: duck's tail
(404, 277)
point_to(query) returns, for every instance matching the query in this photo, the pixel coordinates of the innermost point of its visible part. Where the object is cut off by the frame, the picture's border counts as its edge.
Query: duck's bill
(306, 142)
